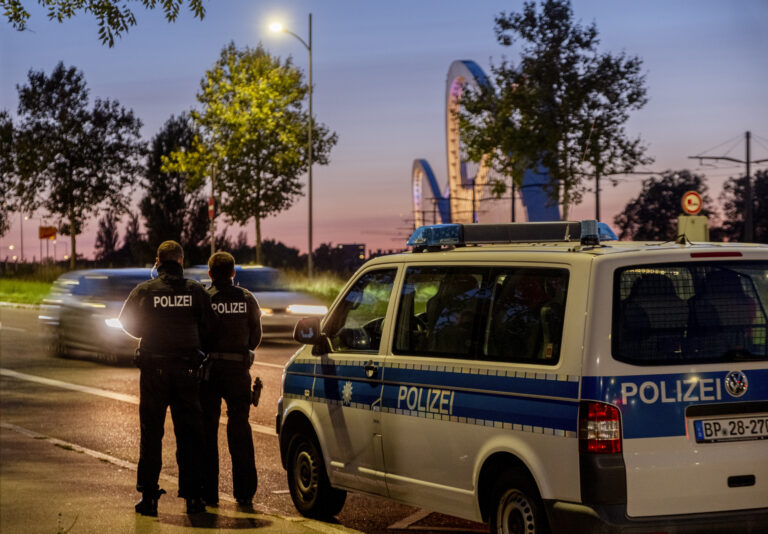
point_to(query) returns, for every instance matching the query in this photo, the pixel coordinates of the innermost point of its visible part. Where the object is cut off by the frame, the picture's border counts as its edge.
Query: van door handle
(371, 370)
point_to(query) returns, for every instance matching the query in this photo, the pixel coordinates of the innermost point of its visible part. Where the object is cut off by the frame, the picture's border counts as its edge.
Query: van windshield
(690, 313)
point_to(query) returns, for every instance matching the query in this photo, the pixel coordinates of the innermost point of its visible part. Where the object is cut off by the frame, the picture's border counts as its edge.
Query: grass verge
(23, 291)
(325, 286)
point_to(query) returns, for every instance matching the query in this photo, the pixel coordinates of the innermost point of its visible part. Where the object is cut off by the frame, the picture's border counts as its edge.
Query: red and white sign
(692, 203)
(210, 207)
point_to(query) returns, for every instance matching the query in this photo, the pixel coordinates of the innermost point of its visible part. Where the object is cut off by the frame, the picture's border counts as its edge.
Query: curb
(19, 305)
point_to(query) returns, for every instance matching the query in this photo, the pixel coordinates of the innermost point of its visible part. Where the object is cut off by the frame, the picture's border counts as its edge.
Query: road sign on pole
(692, 203)
(210, 208)
(46, 232)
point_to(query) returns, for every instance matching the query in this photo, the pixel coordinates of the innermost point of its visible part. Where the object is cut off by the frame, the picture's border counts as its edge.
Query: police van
(540, 377)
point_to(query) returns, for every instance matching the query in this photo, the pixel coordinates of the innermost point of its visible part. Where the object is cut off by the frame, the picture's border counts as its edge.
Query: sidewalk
(49, 486)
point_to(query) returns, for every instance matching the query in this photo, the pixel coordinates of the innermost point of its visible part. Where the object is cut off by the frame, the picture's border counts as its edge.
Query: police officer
(174, 319)
(227, 377)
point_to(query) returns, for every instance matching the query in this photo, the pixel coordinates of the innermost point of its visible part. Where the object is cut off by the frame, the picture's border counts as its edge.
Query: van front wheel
(311, 492)
(516, 507)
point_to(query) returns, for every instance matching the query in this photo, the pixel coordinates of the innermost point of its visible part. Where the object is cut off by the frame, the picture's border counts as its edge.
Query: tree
(135, 250)
(171, 210)
(734, 206)
(252, 135)
(563, 108)
(107, 237)
(7, 171)
(73, 160)
(652, 215)
(113, 16)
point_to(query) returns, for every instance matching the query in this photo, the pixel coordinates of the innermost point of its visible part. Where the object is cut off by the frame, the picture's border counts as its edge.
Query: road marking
(12, 328)
(131, 399)
(264, 509)
(122, 397)
(265, 364)
(406, 522)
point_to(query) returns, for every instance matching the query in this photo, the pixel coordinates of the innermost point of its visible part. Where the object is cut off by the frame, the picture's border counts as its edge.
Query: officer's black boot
(195, 505)
(148, 503)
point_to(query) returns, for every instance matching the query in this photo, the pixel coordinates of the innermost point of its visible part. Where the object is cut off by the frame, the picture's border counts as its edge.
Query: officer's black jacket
(239, 318)
(171, 315)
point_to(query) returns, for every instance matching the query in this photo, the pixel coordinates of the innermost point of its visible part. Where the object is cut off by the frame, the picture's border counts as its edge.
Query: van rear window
(698, 312)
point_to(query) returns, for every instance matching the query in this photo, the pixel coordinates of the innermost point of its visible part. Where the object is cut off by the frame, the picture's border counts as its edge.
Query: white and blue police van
(540, 377)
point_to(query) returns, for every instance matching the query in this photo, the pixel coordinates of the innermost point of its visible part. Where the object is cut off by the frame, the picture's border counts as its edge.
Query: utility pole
(749, 226)
(211, 208)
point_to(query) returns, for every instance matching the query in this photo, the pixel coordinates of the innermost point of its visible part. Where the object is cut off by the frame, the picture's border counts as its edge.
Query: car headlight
(306, 309)
(113, 322)
(266, 311)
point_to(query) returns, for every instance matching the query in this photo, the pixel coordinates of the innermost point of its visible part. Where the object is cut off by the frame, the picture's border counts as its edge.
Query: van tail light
(599, 427)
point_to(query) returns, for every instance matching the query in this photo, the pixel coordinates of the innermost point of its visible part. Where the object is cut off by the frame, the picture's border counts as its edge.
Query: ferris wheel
(459, 202)
(466, 179)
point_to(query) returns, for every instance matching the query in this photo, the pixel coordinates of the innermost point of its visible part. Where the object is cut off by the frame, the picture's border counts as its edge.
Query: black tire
(311, 492)
(516, 507)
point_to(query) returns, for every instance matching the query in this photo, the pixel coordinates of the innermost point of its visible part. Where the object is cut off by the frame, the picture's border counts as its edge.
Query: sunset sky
(379, 71)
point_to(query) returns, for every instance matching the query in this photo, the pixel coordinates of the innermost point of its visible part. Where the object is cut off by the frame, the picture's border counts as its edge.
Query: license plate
(731, 429)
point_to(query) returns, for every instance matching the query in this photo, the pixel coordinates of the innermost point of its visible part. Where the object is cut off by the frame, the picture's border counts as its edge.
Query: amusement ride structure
(467, 181)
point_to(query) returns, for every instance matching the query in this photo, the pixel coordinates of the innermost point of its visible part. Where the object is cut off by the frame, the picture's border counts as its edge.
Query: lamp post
(277, 27)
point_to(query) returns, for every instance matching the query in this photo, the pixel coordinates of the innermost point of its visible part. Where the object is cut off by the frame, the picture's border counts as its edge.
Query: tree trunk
(566, 201)
(257, 223)
(72, 237)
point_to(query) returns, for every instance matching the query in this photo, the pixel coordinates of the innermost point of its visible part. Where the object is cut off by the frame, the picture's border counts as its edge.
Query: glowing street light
(277, 27)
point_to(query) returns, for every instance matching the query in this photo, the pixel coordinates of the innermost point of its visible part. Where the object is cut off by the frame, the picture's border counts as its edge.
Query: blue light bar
(606, 234)
(437, 235)
(589, 233)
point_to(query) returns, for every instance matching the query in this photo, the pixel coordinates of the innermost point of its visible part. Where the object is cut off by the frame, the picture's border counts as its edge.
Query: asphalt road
(95, 406)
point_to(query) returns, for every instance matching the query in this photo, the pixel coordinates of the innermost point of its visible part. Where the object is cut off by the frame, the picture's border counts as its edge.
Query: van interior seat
(722, 314)
(654, 319)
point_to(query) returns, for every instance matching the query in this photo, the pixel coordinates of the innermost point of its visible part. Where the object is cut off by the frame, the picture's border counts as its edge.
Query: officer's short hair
(221, 265)
(170, 251)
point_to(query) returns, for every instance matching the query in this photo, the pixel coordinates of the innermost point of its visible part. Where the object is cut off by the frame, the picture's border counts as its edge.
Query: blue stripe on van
(485, 382)
(297, 384)
(654, 405)
(481, 408)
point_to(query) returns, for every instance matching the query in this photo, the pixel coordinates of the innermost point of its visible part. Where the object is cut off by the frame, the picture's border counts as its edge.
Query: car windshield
(107, 287)
(690, 312)
(260, 280)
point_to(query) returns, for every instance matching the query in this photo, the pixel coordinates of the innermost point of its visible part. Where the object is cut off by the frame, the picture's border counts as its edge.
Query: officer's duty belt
(192, 356)
(229, 356)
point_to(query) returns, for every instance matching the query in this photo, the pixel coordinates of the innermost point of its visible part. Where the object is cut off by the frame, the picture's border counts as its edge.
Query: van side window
(356, 324)
(441, 311)
(694, 312)
(526, 318)
(482, 313)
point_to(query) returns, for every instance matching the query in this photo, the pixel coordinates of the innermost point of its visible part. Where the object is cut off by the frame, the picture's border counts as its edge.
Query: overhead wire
(737, 137)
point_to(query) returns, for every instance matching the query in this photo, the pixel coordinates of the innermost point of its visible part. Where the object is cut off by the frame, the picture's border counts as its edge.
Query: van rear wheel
(516, 507)
(308, 483)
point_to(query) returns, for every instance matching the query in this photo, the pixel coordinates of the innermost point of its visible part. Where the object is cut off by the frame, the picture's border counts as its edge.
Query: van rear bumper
(576, 518)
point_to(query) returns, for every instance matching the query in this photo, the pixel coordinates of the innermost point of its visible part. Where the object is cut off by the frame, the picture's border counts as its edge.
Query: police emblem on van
(736, 383)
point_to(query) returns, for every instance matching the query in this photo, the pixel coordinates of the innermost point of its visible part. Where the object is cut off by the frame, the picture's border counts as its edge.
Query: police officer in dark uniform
(226, 376)
(174, 319)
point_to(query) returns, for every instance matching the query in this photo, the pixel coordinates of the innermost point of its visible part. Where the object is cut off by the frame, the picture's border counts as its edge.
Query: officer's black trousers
(230, 381)
(176, 386)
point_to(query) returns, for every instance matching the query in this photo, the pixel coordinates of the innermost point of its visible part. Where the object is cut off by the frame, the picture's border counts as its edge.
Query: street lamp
(277, 27)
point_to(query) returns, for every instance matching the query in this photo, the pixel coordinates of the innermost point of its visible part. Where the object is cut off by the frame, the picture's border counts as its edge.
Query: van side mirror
(307, 330)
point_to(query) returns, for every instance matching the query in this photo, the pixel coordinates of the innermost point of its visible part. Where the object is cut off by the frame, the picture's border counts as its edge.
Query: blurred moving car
(80, 314)
(281, 308)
